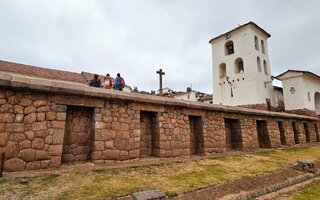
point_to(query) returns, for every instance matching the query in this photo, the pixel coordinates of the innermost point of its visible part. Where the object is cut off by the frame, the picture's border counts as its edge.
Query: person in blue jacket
(119, 82)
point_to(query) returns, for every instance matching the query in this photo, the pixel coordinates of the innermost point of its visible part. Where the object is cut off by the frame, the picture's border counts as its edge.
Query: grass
(171, 178)
(312, 192)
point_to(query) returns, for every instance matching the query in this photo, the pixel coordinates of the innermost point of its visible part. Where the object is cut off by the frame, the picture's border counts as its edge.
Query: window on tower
(265, 67)
(262, 47)
(256, 43)
(229, 48)
(222, 70)
(259, 64)
(239, 66)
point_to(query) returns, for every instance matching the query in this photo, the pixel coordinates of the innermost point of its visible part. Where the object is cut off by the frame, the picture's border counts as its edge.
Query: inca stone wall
(31, 130)
(42, 129)
(79, 134)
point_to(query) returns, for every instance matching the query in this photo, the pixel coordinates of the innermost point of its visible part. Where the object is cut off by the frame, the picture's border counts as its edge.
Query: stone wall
(31, 130)
(42, 129)
(79, 134)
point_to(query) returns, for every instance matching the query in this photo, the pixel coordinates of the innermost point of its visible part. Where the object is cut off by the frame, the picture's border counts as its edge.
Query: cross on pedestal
(160, 72)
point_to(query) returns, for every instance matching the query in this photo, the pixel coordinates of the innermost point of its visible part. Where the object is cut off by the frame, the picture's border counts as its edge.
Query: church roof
(281, 76)
(40, 72)
(239, 27)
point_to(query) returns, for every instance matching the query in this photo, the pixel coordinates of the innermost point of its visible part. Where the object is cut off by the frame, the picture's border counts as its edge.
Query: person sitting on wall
(108, 82)
(119, 83)
(95, 82)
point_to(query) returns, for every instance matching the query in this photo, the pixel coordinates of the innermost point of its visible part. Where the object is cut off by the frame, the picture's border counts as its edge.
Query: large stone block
(44, 109)
(57, 136)
(6, 108)
(14, 164)
(55, 150)
(42, 155)
(55, 161)
(24, 144)
(25, 102)
(38, 143)
(30, 118)
(18, 109)
(40, 103)
(7, 117)
(39, 126)
(57, 124)
(33, 165)
(11, 149)
(123, 135)
(41, 117)
(59, 108)
(27, 155)
(29, 109)
(51, 116)
(17, 137)
(19, 118)
(4, 137)
(111, 154)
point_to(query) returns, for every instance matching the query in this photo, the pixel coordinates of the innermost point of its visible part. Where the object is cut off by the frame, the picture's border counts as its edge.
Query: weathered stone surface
(58, 108)
(43, 109)
(61, 116)
(40, 103)
(57, 124)
(55, 161)
(29, 135)
(42, 134)
(55, 150)
(30, 118)
(41, 117)
(14, 164)
(12, 149)
(18, 109)
(38, 143)
(13, 100)
(25, 102)
(42, 155)
(57, 136)
(17, 137)
(29, 109)
(14, 127)
(19, 118)
(111, 154)
(33, 165)
(6, 108)
(27, 155)
(51, 116)
(4, 137)
(6, 117)
(38, 126)
(68, 157)
(24, 144)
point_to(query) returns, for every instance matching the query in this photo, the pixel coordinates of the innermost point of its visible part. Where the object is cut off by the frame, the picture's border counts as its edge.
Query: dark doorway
(263, 135)
(147, 133)
(317, 132)
(196, 135)
(282, 133)
(306, 131)
(79, 134)
(233, 134)
(295, 133)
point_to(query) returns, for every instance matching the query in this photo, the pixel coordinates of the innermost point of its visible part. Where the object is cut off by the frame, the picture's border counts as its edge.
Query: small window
(229, 48)
(188, 96)
(259, 64)
(309, 99)
(256, 43)
(262, 47)
(239, 66)
(222, 70)
(265, 67)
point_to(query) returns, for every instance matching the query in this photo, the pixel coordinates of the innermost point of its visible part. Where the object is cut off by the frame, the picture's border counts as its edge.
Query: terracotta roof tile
(40, 72)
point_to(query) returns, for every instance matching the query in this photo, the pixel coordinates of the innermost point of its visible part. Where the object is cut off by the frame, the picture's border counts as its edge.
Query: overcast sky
(137, 37)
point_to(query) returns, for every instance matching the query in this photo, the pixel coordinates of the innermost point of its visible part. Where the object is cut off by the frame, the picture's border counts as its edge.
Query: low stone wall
(42, 126)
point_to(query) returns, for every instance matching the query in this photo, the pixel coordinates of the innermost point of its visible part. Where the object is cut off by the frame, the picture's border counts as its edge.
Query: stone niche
(233, 134)
(79, 134)
(295, 133)
(263, 134)
(148, 134)
(282, 133)
(196, 135)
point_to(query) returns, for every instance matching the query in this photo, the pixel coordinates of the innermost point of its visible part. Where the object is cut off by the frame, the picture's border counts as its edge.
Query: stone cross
(160, 72)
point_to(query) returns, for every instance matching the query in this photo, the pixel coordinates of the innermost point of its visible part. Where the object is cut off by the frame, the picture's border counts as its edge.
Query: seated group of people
(108, 82)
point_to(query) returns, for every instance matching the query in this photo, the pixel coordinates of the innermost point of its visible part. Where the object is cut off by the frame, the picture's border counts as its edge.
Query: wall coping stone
(15, 81)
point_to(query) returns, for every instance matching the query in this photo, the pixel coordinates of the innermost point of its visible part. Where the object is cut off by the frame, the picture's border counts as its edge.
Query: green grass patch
(312, 192)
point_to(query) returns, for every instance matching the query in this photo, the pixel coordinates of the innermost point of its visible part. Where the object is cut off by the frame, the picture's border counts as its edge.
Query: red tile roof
(252, 23)
(40, 72)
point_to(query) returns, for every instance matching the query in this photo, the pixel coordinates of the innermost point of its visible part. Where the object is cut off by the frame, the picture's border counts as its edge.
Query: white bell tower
(241, 69)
